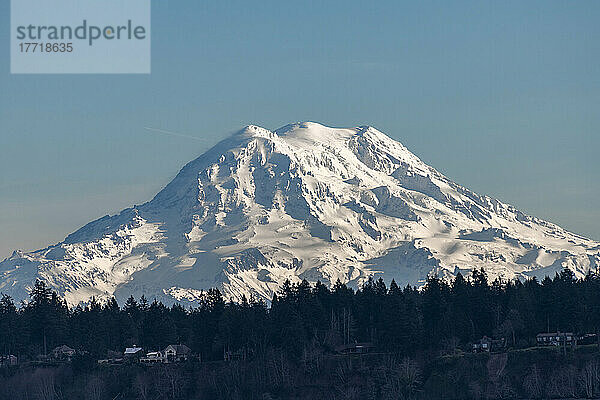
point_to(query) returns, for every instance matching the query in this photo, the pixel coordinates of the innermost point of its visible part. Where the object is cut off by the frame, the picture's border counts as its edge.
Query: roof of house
(554, 334)
(132, 350)
(179, 348)
(64, 348)
(155, 354)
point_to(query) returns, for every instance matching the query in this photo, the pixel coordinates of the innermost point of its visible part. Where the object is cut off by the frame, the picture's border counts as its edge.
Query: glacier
(304, 201)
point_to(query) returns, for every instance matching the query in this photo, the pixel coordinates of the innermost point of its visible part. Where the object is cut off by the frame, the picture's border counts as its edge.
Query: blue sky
(502, 97)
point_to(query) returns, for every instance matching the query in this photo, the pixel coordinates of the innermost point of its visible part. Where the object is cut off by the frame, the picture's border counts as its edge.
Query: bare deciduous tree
(143, 385)
(533, 383)
(174, 379)
(279, 369)
(44, 380)
(590, 379)
(312, 357)
(563, 382)
(95, 389)
(401, 380)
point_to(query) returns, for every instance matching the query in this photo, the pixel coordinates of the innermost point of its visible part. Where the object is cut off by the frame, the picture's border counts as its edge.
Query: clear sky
(501, 96)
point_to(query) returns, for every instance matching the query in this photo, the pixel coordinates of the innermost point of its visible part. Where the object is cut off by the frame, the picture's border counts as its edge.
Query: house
(8, 360)
(487, 344)
(555, 339)
(133, 353)
(172, 353)
(482, 345)
(177, 353)
(355, 348)
(63, 353)
(154, 357)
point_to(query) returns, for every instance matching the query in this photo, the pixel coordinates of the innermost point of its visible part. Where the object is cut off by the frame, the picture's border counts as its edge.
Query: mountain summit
(302, 202)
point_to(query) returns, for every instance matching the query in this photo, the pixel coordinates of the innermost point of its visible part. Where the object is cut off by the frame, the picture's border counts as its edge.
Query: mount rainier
(302, 202)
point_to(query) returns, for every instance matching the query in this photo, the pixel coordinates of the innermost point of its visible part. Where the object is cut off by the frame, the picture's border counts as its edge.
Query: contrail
(171, 133)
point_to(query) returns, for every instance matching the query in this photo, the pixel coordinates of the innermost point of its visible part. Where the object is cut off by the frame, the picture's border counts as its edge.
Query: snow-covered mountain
(304, 201)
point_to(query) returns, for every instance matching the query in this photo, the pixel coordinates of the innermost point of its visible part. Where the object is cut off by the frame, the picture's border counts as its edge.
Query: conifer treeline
(441, 316)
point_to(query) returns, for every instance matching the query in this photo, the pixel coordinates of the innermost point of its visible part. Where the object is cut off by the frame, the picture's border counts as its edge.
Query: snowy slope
(304, 201)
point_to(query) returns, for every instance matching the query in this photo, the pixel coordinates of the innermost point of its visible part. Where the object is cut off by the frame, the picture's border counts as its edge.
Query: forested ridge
(399, 320)
(304, 324)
